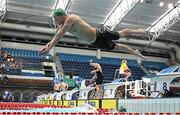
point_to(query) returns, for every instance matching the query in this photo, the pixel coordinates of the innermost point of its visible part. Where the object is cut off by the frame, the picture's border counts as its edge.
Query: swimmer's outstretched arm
(61, 31)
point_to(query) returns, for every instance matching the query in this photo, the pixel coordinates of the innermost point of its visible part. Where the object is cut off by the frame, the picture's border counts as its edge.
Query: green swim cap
(59, 12)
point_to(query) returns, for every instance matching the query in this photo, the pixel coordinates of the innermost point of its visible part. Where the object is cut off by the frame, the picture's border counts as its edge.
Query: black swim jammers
(99, 79)
(104, 39)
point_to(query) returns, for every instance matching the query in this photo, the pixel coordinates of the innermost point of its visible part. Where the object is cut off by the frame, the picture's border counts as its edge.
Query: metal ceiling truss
(3, 9)
(64, 4)
(163, 23)
(121, 9)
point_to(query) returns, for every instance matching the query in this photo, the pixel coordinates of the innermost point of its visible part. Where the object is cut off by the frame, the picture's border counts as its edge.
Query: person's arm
(98, 68)
(94, 77)
(61, 31)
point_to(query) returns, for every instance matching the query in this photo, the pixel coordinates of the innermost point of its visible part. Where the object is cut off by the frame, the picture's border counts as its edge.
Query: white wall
(79, 51)
(151, 105)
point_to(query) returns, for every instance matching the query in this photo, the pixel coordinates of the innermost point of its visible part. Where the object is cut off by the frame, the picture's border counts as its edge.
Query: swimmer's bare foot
(140, 55)
(145, 33)
(142, 30)
(137, 33)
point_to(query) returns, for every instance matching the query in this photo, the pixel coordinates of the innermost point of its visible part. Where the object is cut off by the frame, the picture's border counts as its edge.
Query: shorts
(99, 79)
(104, 39)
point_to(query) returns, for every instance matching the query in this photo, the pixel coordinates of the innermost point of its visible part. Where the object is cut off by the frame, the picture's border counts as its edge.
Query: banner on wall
(71, 103)
(60, 102)
(109, 103)
(95, 103)
(81, 102)
(55, 102)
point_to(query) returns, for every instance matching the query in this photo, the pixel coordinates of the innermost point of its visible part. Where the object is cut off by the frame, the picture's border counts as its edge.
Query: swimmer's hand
(46, 48)
(92, 72)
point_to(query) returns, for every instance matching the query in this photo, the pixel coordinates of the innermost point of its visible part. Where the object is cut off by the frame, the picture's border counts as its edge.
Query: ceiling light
(161, 4)
(142, 1)
(170, 5)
